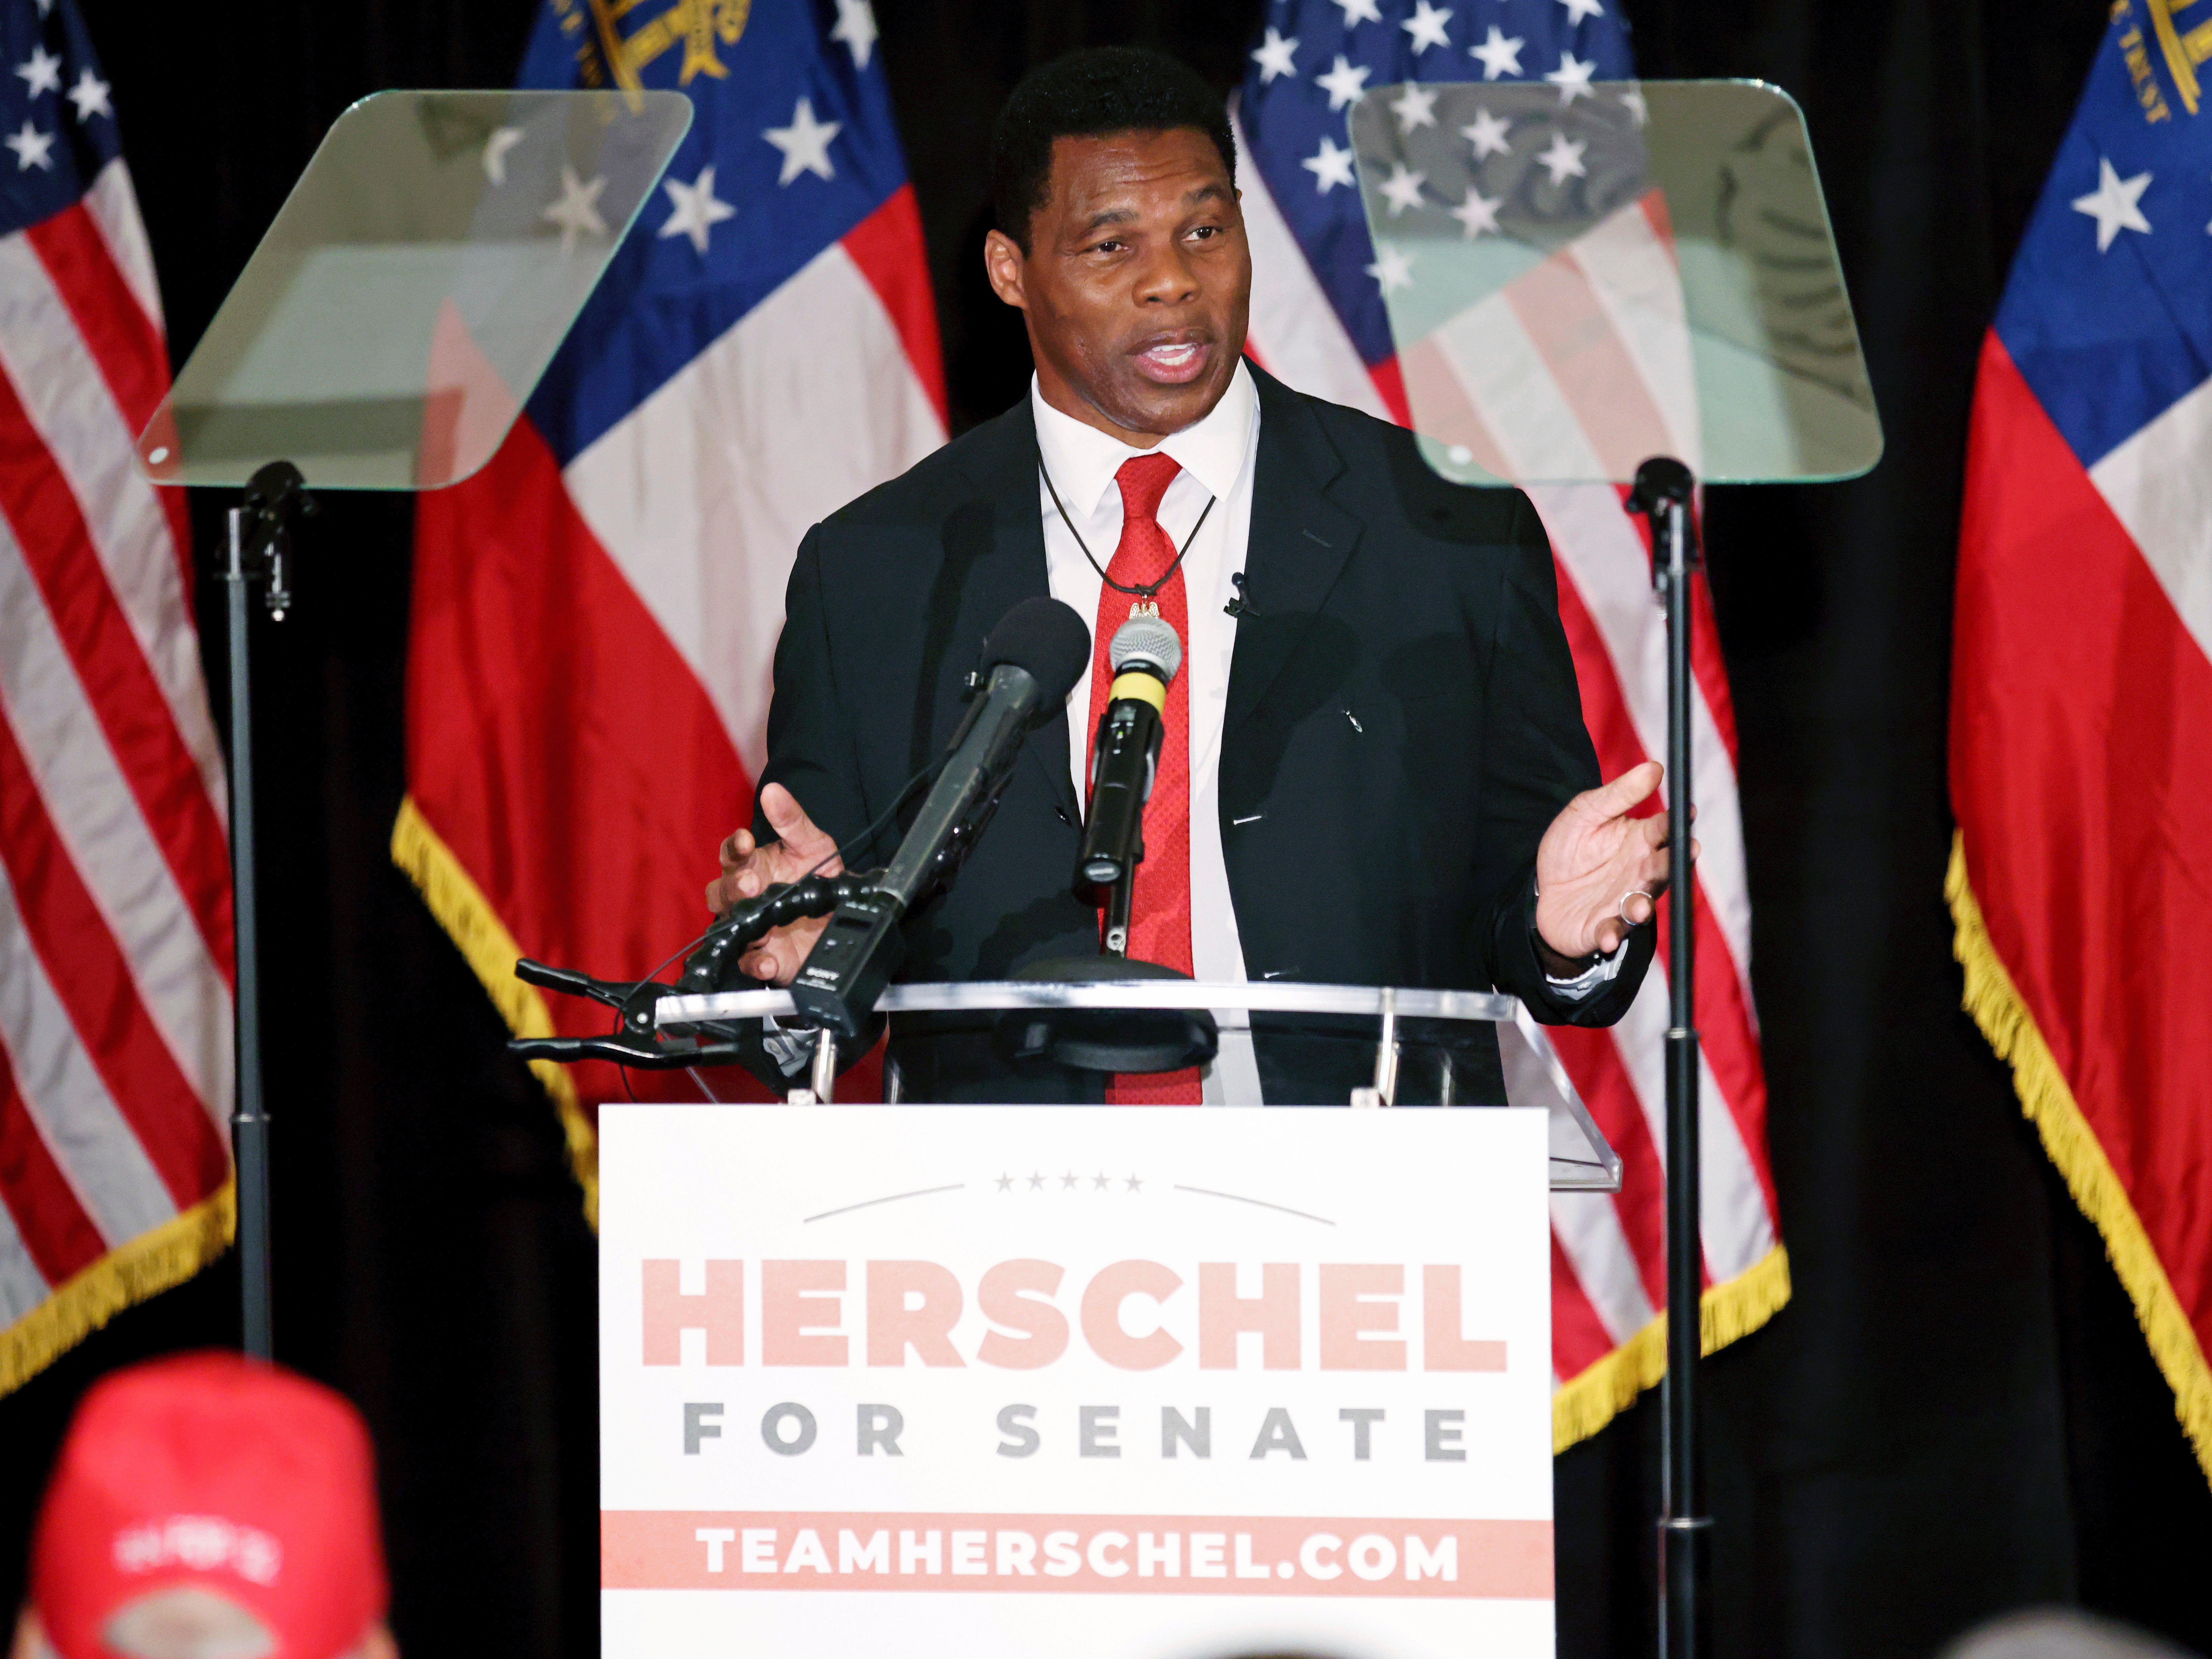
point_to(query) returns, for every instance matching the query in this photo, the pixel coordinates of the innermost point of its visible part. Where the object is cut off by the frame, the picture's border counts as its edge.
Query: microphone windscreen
(1048, 639)
(1145, 641)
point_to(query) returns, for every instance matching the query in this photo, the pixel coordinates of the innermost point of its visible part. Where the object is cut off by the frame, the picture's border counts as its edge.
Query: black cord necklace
(1149, 590)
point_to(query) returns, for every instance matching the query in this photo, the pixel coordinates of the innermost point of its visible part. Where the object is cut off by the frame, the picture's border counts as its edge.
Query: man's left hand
(1600, 872)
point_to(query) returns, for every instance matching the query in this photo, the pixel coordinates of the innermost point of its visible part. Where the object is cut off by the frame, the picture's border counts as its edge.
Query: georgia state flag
(2082, 700)
(595, 614)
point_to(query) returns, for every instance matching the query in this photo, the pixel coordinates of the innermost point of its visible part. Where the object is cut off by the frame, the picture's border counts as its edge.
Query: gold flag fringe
(461, 908)
(1600, 1393)
(1995, 1003)
(153, 1262)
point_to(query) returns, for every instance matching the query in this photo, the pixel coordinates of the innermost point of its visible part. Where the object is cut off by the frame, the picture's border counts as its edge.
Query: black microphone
(1030, 662)
(1145, 654)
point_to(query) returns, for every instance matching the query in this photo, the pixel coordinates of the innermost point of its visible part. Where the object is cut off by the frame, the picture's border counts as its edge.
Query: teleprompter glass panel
(417, 281)
(1578, 278)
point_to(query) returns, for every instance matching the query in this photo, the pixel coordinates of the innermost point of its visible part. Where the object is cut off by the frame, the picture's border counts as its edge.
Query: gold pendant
(1143, 608)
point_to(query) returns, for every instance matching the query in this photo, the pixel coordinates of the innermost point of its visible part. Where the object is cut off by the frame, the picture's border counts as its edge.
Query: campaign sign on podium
(980, 1381)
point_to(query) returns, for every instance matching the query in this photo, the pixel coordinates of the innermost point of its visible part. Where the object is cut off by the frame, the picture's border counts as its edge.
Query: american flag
(595, 614)
(1319, 321)
(115, 914)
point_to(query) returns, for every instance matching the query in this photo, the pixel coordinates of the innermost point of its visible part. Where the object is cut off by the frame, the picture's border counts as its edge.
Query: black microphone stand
(1662, 494)
(259, 541)
(1125, 1040)
(1120, 898)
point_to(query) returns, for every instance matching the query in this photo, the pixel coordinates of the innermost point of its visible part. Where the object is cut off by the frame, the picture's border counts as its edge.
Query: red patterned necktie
(1159, 913)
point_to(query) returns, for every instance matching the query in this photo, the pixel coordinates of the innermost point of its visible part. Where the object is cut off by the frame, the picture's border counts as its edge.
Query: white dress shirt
(1217, 455)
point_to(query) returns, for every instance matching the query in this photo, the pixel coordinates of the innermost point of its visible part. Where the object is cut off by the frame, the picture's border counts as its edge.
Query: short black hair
(1086, 94)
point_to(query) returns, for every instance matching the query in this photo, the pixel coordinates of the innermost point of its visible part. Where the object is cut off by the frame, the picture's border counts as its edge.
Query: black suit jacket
(1402, 724)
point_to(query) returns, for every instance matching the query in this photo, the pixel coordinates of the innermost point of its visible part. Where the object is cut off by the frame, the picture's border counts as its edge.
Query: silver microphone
(1145, 654)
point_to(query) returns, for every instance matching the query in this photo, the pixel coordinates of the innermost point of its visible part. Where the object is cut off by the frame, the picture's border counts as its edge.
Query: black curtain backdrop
(1956, 1414)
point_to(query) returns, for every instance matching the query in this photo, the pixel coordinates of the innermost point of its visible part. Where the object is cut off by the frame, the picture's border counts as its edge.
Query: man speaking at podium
(1374, 769)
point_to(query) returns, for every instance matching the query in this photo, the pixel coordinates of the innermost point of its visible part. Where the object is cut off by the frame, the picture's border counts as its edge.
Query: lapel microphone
(1242, 604)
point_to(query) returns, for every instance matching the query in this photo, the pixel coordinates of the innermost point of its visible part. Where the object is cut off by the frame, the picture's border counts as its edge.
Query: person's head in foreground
(2059, 1633)
(207, 1507)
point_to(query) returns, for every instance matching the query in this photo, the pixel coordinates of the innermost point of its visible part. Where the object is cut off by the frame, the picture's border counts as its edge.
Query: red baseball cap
(214, 1484)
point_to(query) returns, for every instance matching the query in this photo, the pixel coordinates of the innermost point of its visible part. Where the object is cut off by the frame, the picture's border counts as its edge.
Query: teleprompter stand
(256, 550)
(1653, 300)
(1662, 494)
(400, 217)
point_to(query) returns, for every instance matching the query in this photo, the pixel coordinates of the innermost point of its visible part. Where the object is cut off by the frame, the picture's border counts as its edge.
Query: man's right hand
(750, 869)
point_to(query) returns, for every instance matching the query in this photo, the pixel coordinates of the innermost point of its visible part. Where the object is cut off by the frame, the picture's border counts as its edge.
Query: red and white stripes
(115, 914)
(702, 494)
(657, 557)
(1563, 374)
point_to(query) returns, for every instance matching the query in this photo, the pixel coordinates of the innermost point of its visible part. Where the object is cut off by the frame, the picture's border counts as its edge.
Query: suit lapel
(1299, 542)
(994, 558)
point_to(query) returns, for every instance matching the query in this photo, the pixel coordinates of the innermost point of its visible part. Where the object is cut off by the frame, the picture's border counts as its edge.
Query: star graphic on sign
(42, 72)
(1499, 56)
(1487, 134)
(1426, 26)
(696, 208)
(805, 144)
(577, 212)
(89, 95)
(1347, 83)
(856, 28)
(1036, 1184)
(1478, 213)
(1402, 189)
(1069, 1181)
(1135, 1185)
(2113, 204)
(1273, 57)
(1102, 1183)
(1005, 1183)
(1329, 166)
(1572, 77)
(33, 149)
(1357, 11)
(1632, 101)
(1393, 268)
(1416, 107)
(1563, 159)
(1578, 9)
(502, 140)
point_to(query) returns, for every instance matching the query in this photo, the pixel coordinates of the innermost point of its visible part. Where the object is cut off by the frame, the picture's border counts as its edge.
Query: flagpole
(1662, 493)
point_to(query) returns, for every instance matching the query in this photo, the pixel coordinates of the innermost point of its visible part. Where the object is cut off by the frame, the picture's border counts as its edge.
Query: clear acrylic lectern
(1582, 1160)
